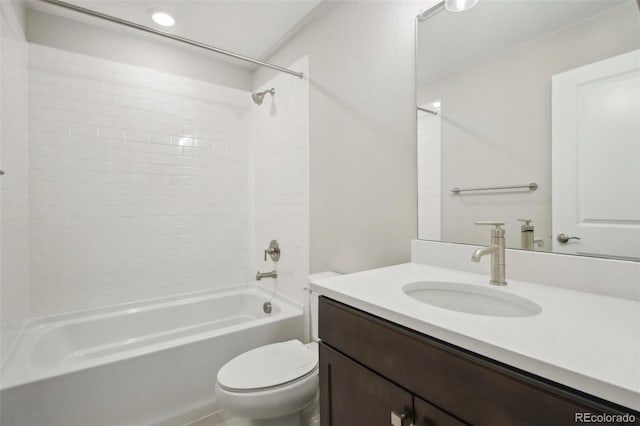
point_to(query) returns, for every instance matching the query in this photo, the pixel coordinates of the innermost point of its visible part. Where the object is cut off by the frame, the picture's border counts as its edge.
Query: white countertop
(583, 340)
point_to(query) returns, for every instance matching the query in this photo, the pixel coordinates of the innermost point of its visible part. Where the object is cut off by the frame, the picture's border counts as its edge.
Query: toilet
(273, 384)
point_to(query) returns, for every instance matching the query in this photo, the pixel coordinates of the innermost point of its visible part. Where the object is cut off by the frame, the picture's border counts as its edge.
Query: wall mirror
(528, 112)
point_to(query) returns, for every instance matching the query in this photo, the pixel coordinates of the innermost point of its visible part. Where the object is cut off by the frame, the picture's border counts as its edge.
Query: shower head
(258, 97)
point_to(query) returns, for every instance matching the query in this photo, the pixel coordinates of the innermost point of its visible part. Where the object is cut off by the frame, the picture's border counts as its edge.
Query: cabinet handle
(399, 419)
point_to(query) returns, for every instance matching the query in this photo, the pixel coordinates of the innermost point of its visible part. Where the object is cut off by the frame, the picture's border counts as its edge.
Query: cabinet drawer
(475, 389)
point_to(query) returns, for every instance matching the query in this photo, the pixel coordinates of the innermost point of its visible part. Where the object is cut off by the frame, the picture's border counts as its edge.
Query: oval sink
(471, 299)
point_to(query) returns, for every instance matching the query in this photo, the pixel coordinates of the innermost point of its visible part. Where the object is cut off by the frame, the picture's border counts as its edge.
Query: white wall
(496, 125)
(362, 132)
(139, 183)
(14, 185)
(129, 46)
(280, 139)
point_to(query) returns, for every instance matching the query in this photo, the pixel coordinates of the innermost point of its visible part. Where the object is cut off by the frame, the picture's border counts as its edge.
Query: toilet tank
(312, 310)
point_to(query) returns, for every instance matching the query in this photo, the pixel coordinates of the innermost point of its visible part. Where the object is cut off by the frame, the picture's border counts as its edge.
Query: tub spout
(261, 275)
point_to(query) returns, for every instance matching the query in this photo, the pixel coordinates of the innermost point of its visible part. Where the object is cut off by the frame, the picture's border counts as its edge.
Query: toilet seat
(269, 366)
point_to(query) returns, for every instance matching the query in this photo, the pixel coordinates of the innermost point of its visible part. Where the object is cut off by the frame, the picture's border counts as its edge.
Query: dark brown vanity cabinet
(370, 367)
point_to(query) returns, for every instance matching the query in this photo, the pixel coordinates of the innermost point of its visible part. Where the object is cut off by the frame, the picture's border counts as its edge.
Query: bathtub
(153, 362)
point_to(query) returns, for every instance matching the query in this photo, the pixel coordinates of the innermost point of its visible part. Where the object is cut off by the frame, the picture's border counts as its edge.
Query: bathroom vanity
(372, 370)
(388, 359)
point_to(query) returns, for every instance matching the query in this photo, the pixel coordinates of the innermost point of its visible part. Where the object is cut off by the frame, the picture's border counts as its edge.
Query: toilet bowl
(273, 384)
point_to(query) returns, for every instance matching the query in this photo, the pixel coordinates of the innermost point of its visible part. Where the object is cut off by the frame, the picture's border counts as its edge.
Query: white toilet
(271, 385)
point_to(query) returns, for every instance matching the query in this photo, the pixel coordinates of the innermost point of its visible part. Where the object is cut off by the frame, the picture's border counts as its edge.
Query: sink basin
(471, 299)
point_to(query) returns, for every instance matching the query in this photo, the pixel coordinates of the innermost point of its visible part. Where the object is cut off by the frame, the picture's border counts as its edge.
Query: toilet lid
(268, 366)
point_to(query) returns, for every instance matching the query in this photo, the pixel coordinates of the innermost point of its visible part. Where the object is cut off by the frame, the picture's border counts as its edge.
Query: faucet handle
(490, 222)
(273, 251)
(527, 226)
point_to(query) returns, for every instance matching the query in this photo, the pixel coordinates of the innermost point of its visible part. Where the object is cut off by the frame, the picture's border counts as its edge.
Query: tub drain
(266, 307)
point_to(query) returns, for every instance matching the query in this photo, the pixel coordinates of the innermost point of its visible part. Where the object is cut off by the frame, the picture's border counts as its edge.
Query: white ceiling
(449, 42)
(248, 27)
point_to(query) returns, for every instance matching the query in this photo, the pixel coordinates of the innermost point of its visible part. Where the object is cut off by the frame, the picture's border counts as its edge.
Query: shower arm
(184, 40)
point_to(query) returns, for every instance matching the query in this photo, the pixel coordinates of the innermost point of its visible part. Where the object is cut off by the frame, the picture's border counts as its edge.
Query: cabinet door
(352, 395)
(430, 415)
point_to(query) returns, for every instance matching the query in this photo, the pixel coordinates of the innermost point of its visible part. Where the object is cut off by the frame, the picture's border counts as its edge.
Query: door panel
(596, 158)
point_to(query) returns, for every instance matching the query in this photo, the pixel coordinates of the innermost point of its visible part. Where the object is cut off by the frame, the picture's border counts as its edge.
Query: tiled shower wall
(14, 189)
(280, 168)
(139, 183)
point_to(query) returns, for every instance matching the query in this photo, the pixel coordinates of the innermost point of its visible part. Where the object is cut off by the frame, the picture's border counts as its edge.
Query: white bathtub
(153, 362)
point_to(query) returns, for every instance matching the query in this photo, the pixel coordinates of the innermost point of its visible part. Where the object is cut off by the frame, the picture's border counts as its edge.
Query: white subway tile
(111, 133)
(135, 135)
(139, 207)
(158, 138)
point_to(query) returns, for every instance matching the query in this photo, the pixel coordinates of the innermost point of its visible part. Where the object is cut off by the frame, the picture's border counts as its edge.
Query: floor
(216, 419)
(310, 417)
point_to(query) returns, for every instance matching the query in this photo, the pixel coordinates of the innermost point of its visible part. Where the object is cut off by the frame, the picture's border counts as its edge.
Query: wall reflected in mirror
(511, 93)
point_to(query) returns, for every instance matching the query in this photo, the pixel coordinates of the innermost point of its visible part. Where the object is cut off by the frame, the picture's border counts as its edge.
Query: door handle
(564, 238)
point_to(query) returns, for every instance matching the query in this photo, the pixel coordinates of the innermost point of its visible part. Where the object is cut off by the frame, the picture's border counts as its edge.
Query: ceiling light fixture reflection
(448, 5)
(163, 18)
(459, 5)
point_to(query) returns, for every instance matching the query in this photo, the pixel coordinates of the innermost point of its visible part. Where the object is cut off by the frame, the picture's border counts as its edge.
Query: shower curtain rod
(169, 36)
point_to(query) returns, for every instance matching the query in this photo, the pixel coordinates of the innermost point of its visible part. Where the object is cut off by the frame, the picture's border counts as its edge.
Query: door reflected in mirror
(531, 109)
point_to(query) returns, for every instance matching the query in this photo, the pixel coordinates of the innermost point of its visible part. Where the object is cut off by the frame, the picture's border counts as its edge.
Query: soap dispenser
(526, 235)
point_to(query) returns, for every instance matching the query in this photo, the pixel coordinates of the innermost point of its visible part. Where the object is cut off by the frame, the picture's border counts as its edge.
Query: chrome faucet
(496, 250)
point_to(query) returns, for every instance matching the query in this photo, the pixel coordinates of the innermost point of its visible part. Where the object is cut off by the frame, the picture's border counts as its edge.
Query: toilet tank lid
(268, 366)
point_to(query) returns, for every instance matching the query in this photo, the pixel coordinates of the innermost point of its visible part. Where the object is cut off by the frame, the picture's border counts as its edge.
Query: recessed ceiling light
(459, 5)
(163, 18)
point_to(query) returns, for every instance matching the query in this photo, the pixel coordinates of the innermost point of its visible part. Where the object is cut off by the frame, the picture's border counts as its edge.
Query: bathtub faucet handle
(273, 251)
